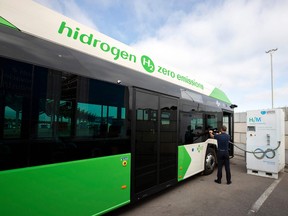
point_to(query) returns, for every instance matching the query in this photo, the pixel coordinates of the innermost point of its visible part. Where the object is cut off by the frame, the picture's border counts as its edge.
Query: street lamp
(271, 52)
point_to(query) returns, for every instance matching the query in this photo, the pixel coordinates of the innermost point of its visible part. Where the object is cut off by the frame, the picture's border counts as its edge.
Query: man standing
(222, 154)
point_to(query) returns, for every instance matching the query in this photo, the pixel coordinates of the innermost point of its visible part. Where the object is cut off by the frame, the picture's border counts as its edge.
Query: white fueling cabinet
(265, 142)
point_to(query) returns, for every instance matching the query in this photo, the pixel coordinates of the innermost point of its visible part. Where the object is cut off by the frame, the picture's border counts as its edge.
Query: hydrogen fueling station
(265, 142)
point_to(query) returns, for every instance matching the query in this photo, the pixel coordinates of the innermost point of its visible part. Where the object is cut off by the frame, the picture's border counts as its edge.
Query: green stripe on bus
(184, 161)
(85, 187)
(6, 23)
(218, 94)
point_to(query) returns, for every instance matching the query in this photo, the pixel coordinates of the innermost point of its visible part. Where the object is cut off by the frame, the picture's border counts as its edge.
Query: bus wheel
(210, 161)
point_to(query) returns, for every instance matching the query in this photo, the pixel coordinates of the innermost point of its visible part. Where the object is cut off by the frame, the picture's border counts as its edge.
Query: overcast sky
(222, 42)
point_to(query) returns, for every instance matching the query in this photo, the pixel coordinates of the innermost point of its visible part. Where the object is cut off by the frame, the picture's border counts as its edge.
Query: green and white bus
(88, 124)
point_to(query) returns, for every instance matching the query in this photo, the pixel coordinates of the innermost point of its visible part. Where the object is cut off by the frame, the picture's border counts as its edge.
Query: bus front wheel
(210, 161)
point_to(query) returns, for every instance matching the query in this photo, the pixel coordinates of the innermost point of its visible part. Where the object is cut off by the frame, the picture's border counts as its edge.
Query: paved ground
(247, 195)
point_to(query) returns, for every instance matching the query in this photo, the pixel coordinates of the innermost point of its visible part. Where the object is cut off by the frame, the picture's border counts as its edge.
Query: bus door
(228, 122)
(154, 143)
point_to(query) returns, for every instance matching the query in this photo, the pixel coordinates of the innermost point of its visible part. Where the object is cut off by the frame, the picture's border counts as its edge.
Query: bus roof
(38, 35)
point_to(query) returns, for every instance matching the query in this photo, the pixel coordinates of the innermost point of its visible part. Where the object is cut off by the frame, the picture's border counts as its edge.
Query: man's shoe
(229, 182)
(217, 181)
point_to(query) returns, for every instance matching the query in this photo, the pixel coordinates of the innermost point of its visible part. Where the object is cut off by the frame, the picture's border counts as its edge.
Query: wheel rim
(210, 162)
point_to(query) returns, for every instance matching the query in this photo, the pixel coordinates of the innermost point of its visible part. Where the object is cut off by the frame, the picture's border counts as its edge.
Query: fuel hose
(260, 153)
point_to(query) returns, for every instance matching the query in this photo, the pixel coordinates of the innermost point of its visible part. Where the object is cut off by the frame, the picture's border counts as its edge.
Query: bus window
(49, 116)
(211, 122)
(12, 117)
(101, 111)
(192, 127)
(226, 123)
(45, 119)
(15, 97)
(88, 119)
(52, 108)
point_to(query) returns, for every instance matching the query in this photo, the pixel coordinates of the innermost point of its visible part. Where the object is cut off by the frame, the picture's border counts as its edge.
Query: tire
(210, 161)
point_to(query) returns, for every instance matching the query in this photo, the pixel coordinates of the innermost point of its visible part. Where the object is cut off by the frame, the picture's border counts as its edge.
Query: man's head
(224, 128)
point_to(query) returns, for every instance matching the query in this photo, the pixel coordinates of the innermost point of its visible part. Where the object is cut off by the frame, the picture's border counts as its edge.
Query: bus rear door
(154, 148)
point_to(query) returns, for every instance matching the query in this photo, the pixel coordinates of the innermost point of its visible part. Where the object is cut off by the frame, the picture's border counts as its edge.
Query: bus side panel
(191, 159)
(184, 161)
(86, 187)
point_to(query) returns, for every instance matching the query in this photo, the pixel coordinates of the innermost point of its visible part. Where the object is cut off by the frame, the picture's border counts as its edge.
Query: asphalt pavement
(200, 196)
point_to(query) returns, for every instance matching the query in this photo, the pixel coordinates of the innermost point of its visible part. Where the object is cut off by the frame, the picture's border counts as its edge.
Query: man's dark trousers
(223, 159)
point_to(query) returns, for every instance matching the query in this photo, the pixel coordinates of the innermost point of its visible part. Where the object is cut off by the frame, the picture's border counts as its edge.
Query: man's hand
(211, 134)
